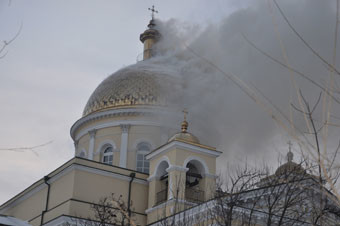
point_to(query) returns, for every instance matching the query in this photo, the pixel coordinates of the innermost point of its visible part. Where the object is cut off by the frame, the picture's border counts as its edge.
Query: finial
(153, 11)
(185, 123)
(290, 154)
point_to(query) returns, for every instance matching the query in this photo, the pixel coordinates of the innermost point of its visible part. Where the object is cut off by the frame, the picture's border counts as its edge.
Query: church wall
(83, 144)
(104, 136)
(90, 187)
(137, 134)
(183, 154)
(31, 207)
(61, 189)
(123, 119)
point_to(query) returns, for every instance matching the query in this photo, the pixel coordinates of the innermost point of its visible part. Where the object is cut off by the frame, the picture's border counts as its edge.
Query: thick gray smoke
(221, 114)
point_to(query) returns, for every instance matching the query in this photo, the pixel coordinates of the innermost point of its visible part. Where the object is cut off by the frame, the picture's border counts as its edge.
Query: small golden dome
(184, 135)
(289, 167)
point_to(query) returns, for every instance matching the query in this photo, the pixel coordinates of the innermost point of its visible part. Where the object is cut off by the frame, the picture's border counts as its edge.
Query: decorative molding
(104, 144)
(177, 144)
(116, 123)
(125, 128)
(92, 133)
(120, 112)
(162, 159)
(141, 140)
(124, 145)
(198, 159)
(176, 168)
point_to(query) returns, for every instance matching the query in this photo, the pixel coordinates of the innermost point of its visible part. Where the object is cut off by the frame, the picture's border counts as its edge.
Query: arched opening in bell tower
(162, 186)
(194, 188)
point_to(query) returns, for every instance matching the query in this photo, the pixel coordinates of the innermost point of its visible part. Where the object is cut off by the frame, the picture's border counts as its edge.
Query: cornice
(179, 144)
(118, 112)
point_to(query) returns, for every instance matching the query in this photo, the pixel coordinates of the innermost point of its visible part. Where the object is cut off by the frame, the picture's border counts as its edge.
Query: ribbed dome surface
(184, 137)
(289, 168)
(131, 86)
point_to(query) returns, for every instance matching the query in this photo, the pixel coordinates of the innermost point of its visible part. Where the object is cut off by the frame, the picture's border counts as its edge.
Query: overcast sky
(66, 48)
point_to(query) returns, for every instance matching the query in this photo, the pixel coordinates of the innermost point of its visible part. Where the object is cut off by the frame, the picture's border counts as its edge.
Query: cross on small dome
(290, 154)
(153, 11)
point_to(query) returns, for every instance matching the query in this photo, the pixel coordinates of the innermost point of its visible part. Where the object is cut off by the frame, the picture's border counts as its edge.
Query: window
(143, 164)
(81, 154)
(108, 155)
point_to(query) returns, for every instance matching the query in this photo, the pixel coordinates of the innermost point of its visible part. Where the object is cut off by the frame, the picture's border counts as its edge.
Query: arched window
(163, 182)
(143, 164)
(193, 189)
(82, 154)
(192, 176)
(108, 155)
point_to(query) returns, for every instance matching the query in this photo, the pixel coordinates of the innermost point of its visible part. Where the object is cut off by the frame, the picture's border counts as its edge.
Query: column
(124, 145)
(177, 178)
(92, 134)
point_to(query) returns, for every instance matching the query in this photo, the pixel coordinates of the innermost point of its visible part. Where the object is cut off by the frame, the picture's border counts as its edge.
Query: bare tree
(287, 197)
(6, 43)
(109, 210)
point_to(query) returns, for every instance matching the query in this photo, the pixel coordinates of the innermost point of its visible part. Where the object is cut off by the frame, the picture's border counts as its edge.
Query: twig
(303, 40)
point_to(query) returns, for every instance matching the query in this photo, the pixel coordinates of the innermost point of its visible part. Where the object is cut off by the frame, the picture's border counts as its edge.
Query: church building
(126, 146)
(123, 146)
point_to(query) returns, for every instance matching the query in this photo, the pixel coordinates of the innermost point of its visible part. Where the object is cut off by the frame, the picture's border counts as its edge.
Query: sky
(66, 48)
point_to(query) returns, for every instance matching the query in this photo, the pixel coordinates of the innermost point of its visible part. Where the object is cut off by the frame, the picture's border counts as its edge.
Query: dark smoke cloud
(221, 114)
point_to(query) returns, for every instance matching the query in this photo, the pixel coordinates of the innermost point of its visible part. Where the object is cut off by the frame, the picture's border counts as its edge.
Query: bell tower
(182, 174)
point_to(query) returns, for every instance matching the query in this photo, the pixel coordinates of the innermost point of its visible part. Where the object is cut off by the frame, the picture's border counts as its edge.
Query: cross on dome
(290, 154)
(153, 11)
(185, 123)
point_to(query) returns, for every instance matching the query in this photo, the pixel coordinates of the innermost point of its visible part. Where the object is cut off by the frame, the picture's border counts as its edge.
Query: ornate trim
(125, 128)
(198, 159)
(118, 112)
(176, 168)
(177, 144)
(92, 133)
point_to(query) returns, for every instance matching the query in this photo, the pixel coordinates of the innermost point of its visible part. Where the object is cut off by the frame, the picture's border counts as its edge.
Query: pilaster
(92, 134)
(124, 145)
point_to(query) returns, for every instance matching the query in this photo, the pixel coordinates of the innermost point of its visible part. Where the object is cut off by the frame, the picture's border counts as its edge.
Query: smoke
(220, 113)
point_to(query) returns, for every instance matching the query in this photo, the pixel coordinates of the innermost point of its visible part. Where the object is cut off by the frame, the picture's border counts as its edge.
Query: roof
(136, 85)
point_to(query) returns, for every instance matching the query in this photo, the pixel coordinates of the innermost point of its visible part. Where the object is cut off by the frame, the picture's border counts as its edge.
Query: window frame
(107, 154)
(142, 151)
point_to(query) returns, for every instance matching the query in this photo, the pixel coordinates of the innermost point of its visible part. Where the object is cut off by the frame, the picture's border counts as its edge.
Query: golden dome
(136, 85)
(289, 167)
(184, 135)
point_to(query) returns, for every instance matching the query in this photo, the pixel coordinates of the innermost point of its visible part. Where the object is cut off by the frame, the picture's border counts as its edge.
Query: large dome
(137, 85)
